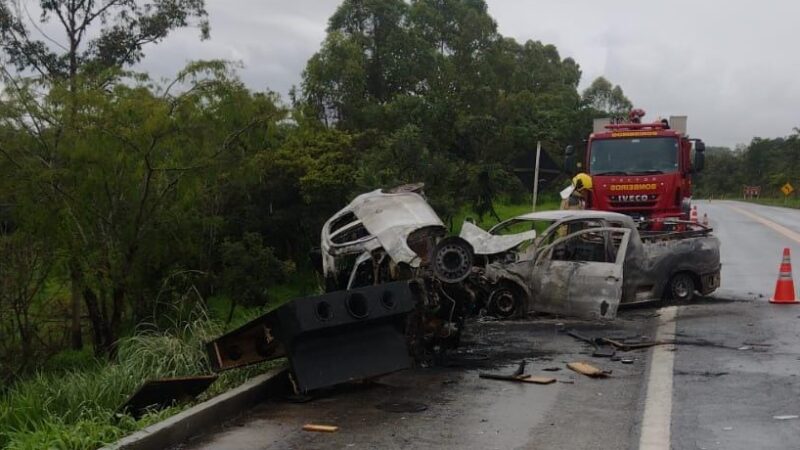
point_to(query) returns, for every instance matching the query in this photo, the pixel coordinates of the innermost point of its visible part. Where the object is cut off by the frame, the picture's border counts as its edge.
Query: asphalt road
(726, 393)
(733, 370)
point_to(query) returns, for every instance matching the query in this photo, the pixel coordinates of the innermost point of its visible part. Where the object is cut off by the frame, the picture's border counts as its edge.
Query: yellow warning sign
(787, 189)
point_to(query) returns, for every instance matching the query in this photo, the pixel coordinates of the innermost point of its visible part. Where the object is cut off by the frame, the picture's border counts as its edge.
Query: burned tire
(507, 301)
(452, 260)
(681, 287)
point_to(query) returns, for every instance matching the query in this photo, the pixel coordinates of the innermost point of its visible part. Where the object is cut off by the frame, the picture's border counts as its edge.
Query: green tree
(607, 99)
(99, 36)
(431, 91)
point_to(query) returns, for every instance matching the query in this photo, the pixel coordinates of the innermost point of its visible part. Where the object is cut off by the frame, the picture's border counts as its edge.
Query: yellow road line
(793, 235)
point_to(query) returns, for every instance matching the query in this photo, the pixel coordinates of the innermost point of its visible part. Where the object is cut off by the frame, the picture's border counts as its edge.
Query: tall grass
(76, 409)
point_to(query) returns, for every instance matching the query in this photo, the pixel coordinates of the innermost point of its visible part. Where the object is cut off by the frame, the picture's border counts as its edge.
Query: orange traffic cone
(705, 219)
(693, 215)
(784, 288)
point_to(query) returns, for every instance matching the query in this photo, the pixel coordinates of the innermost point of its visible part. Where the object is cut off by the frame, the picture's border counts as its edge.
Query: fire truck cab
(640, 169)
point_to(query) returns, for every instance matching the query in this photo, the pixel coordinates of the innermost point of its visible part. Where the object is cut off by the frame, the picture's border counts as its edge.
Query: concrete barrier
(205, 416)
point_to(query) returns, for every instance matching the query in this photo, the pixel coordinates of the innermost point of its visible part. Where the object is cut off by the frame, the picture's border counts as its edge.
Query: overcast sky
(732, 66)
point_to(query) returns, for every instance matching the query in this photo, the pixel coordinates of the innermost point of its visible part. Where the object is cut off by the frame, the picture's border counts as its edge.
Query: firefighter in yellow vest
(577, 194)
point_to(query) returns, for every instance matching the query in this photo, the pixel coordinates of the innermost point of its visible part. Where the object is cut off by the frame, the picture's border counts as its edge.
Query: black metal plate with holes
(251, 343)
(329, 339)
(164, 392)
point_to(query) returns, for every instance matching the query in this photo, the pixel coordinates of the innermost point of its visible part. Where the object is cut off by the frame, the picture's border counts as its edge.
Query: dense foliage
(124, 199)
(768, 163)
(433, 92)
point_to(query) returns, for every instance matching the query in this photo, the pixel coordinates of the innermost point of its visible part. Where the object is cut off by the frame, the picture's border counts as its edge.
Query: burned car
(585, 263)
(389, 235)
(384, 236)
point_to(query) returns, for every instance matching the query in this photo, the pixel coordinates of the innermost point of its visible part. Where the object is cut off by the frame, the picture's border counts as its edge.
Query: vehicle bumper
(709, 282)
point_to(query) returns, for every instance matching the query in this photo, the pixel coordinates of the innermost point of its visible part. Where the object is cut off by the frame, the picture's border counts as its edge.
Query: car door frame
(583, 289)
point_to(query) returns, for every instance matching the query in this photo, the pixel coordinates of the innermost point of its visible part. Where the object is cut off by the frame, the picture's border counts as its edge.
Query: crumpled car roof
(561, 214)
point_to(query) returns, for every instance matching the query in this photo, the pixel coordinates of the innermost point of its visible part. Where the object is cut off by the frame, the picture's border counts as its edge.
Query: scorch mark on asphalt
(655, 433)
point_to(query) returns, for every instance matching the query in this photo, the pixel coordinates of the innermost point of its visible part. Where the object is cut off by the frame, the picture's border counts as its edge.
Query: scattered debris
(320, 428)
(627, 346)
(601, 349)
(701, 374)
(588, 370)
(552, 369)
(518, 378)
(402, 407)
(626, 361)
(538, 380)
(786, 417)
(745, 347)
(520, 370)
(164, 392)
(497, 376)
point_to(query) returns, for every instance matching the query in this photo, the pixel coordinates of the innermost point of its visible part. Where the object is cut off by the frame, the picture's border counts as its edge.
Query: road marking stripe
(657, 418)
(776, 227)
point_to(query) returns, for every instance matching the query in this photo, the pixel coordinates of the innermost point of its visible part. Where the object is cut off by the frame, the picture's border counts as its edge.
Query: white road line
(655, 433)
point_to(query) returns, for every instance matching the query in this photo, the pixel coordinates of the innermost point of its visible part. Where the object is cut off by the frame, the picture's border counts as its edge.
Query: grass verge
(791, 202)
(75, 409)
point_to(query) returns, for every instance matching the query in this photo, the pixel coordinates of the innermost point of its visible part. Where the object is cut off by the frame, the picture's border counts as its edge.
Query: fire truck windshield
(633, 156)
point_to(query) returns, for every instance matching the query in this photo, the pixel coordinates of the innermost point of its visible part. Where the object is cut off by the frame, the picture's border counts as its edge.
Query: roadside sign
(751, 191)
(787, 189)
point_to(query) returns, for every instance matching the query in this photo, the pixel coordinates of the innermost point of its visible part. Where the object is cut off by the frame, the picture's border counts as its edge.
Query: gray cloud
(730, 66)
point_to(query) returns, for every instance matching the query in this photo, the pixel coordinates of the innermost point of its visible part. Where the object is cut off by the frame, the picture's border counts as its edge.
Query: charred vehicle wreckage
(398, 289)
(394, 295)
(586, 263)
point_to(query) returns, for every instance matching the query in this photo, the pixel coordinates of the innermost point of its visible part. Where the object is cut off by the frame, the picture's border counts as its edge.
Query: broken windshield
(647, 156)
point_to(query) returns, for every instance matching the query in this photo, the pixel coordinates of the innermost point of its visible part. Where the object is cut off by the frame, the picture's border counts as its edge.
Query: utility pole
(536, 174)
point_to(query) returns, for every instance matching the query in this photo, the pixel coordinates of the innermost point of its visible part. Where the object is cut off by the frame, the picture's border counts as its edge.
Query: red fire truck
(641, 169)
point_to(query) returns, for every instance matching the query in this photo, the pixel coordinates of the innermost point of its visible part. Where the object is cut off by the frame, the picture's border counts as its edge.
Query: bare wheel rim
(504, 301)
(682, 287)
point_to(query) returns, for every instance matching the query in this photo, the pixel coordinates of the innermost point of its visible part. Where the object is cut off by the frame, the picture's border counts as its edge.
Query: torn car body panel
(376, 221)
(485, 243)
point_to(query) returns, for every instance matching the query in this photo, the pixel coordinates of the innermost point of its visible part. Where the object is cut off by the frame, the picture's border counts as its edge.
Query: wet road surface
(733, 369)
(727, 392)
(465, 411)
